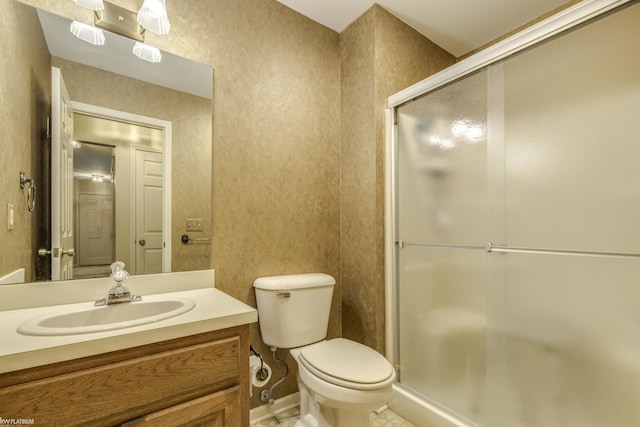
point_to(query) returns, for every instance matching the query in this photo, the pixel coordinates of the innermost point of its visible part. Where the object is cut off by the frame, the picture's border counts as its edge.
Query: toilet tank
(294, 310)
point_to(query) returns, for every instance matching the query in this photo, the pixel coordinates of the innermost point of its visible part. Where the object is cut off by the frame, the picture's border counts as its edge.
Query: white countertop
(214, 310)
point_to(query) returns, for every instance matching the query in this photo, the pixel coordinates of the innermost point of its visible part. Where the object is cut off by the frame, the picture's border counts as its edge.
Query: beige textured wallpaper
(25, 93)
(276, 154)
(380, 55)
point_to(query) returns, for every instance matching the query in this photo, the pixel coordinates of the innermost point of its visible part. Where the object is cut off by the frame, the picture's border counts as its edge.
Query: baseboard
(267, 411)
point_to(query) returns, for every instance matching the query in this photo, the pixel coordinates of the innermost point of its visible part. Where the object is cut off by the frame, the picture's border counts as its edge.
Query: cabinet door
(220, 409)
(108, 394)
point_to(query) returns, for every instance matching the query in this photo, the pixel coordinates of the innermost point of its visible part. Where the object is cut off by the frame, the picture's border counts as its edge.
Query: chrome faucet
(119, 292)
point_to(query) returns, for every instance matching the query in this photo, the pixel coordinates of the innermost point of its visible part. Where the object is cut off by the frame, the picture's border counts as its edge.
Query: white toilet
(340, 381)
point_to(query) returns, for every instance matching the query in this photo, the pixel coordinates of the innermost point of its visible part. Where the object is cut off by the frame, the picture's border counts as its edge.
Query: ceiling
(458, 26)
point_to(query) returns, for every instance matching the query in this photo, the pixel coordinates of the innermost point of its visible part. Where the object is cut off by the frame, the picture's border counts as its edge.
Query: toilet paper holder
(262, 373)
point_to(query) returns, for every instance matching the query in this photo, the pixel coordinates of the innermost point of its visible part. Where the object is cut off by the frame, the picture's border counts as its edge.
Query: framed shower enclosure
(513, 230)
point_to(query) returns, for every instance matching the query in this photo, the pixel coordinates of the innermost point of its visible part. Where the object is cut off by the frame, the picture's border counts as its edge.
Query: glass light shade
(146, 52)
(90, 4)
(87, 33)
(153, 16)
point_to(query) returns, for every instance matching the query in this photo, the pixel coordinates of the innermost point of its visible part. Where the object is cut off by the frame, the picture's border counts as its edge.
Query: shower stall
(513, 236)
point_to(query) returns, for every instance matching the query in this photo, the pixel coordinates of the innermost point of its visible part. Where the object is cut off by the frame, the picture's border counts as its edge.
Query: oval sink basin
(105, 318)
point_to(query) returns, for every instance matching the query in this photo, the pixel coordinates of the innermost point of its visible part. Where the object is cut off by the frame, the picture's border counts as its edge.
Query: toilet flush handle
(284, 294)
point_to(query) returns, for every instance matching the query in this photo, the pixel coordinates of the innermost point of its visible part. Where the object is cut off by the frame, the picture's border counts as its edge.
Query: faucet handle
(119, 292)
(119, 275)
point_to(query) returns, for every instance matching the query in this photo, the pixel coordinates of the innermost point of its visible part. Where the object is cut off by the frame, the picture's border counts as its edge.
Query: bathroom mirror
(124, 106)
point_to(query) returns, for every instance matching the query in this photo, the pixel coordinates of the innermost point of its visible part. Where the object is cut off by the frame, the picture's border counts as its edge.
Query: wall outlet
(194, 224)
(9, 216)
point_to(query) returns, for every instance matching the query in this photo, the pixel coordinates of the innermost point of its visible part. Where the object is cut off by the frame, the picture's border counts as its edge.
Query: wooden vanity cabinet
(199, 380)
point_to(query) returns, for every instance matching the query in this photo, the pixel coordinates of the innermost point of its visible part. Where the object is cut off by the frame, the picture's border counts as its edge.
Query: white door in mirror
(61, 179)
(147, 218)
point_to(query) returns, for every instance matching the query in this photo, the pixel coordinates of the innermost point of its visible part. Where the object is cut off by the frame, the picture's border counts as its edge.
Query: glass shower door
(518, 253)
(442, 228)
(572, 199)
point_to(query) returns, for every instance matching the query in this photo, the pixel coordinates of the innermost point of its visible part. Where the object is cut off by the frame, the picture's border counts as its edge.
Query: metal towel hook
(31, 191)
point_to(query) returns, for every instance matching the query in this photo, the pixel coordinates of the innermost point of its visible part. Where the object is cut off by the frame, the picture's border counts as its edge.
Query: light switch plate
(9, 216)
(194, 224)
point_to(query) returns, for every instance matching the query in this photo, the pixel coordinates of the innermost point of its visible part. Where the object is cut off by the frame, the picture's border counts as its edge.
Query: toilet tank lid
(294, 281)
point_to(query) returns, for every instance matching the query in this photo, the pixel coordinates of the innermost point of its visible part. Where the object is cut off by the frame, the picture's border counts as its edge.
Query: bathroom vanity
(190, 369)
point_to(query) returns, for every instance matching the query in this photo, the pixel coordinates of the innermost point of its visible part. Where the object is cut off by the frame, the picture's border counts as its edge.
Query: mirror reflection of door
(146, 216)
(62, 151)
(113, 212)
(95, 229)
(94, 191)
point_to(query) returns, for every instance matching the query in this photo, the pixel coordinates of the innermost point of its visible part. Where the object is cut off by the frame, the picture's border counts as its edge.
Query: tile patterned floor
(388, 418)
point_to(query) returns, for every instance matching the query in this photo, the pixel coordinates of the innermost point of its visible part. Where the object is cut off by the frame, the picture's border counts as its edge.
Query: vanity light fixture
(87, 33)
(146, 52)
(153, 16)
(97, 178)
(90, 4)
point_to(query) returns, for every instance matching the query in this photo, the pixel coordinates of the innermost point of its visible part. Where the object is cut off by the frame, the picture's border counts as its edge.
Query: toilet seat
(348, 364)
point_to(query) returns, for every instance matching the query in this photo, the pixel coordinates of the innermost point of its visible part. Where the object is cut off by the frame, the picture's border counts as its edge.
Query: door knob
(43, 252)
(142, 242)
(70, 252)
(56, 252)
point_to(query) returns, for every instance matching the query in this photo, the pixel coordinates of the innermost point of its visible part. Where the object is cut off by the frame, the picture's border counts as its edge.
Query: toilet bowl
(340, 381)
